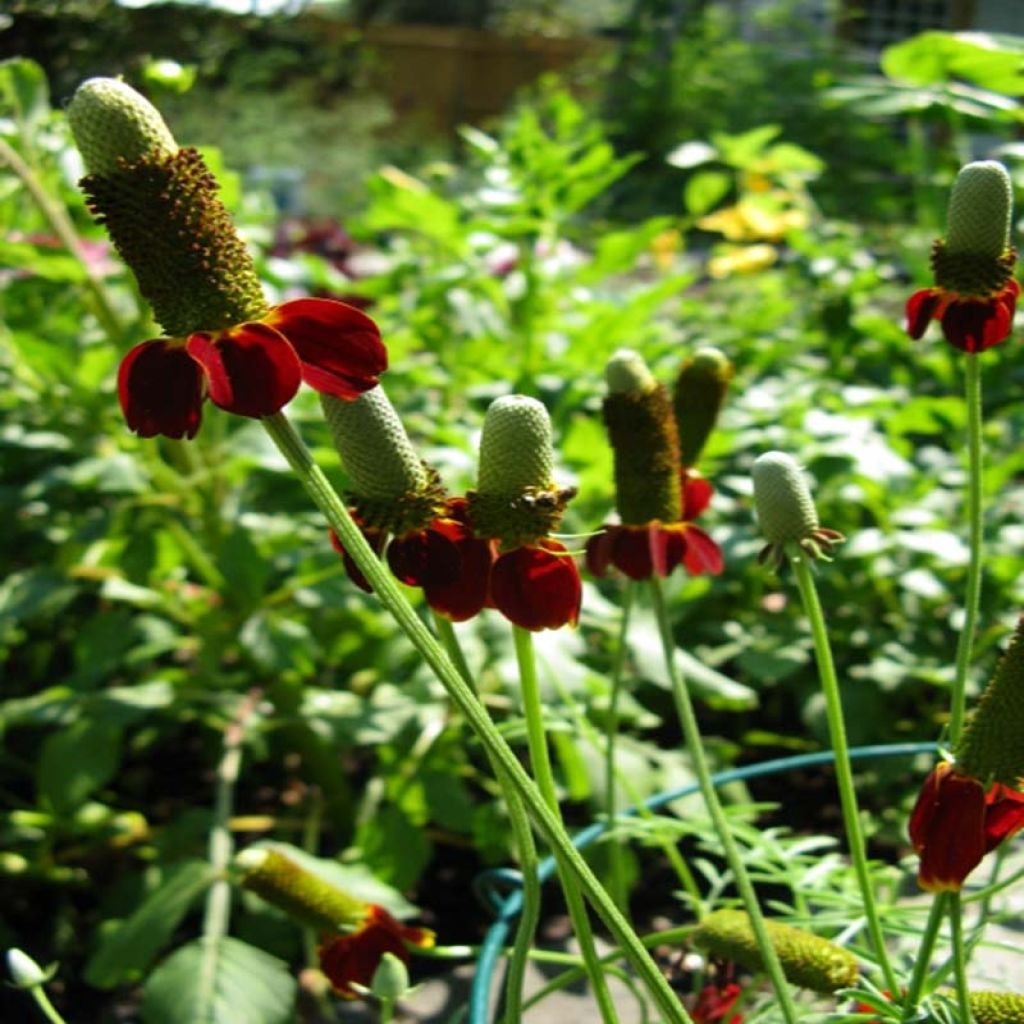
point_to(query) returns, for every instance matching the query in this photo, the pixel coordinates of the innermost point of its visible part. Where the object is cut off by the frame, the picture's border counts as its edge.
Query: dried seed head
(992, 746)
(808, 960)
(700, 391)
(300, 893)
(642, 431)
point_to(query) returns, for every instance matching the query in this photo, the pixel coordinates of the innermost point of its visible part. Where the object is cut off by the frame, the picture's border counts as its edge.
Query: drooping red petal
(160, 388)
(467, 595)
(947, 829)
(537, 587)
(338, 345)
(375, 538)
(631, 551)
(423, 555)
(348, 959)
(922, 308)
(251, 369)
(973, 325)
(702, 553)
(1004, 815)
(598, 553)
(697, 494)
(715, 1002)
(668, 545)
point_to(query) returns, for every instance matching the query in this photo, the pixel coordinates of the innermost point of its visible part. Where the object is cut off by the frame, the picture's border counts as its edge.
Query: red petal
(599, 551)
(1004, 815)
(160, 388)
(975, 325)
(697, 494)
(922, 308)
(467, 595)
(631, 552)
(339, 346)
(375, 538)
(702, 553)
(355, 957)
(423, 555)
(251, 369)
(536, 587)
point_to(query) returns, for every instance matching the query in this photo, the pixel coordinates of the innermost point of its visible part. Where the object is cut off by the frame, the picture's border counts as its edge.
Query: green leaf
(77, 761)
(704, 190)
(394, 848)
(993, 62)
(126, 951)
(248, 987)
(23, 89)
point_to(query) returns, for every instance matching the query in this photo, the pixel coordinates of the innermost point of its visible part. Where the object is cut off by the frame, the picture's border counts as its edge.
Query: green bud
(699, 395)
(390, 980)
(25, 972)
(112, 123)
(300, 893)
(980, 210)
(642, 431)
(992, 746)
(808, 960)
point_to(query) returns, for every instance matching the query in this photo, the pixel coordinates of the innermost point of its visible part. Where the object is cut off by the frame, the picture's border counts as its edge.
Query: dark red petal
(339, 346)
(697, 494)
(345, 959)
(423, 555)
(375, 538)
(467, 595)
(598, 554)
(1004, 815)
(715, 1003)
(922, 308)
(537, 587)
(668, 546)
(631, 552)
(160, 388)
(975, 325)
(702, 553)
(947, 829)
(251, 370)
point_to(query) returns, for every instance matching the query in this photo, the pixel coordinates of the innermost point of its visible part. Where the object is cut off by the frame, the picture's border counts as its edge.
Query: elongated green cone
(807, 959)
(298, 892)
(992, 746)
(516, 501)
(390, 486)
(700, 392)
(642, 432)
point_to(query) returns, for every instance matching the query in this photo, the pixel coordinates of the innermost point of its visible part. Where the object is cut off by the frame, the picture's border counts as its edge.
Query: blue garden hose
(501, 888)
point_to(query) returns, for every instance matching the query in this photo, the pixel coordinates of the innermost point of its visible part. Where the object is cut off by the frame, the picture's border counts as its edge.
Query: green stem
(844, 771)
(695, 748)
(972, 595)
(956, 928)
(462, 695)
(526, 850)
(615, 854)
(538, 746)
(923, 958)
(49, 1011)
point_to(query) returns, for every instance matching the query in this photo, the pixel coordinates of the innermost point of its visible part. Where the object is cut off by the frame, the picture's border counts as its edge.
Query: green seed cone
(808, 960)
(992, 746)
(782, 499)
(980, 210)
(642, 431)
(298, 892)
(996, 1008)
(697, 400)
(516, 500)
(160, 206)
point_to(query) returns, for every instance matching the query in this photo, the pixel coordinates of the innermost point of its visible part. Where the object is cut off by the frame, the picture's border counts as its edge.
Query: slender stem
(695, 748)
(221, 847)
(972, 594)
(924, 957)
(538, 744)
(49, 1011)
(547, 823)
(844, 771)
(526, 851)
(616, 859)
(956, 928)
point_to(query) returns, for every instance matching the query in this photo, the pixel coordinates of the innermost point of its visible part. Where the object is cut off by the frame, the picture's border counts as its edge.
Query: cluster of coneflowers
(495, 547)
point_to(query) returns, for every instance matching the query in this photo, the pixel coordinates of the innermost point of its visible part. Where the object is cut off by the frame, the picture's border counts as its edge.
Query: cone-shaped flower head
(159, 204)
(996, 1007)
(808, 960)
(786, 511)
(975, 294)
(697, 400)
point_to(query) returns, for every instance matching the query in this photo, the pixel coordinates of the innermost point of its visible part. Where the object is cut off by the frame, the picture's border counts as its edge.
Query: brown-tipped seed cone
(302, 895)
(697, 400)
(992, 746)
(642, 432)
(808, 960)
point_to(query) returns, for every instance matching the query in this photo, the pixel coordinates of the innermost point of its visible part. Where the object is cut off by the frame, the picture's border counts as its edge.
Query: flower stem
(541, 762)
(923, 958)
(956, 927)
(844, 771)
(461, 694)
(526, 850)
(695, 748)
(972, 595)
(48, 1010)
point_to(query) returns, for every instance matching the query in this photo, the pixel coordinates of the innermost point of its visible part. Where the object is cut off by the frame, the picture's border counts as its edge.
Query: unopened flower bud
(808, 960)
(785, 510)
(516, 500)
(642, 431)
(25, 972)
(992, 746)
(390, 980)
(700, 391)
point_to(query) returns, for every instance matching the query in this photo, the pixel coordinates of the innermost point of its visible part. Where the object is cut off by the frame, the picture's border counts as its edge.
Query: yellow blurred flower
(742, 259)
